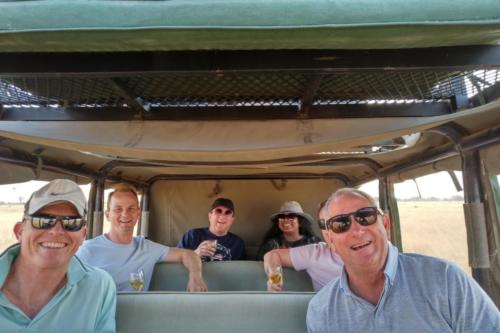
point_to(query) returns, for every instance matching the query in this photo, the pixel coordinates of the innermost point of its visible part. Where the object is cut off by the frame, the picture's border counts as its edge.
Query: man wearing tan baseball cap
(43, 286)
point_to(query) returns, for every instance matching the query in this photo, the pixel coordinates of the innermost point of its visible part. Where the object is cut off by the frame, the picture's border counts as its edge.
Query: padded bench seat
(212, 312)
(227, 276)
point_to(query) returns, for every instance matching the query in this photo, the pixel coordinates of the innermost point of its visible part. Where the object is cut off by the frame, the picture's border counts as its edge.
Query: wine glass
(275, 275)
(136, 280)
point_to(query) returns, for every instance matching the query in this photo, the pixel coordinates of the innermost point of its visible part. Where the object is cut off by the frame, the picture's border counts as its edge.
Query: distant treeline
(452, 198)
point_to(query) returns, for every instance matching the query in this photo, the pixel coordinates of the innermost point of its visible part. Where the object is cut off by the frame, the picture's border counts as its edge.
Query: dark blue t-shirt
(229, 247)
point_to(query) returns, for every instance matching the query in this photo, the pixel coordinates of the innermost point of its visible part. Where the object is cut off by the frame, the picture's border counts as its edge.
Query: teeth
(355, 247)
(53, 245)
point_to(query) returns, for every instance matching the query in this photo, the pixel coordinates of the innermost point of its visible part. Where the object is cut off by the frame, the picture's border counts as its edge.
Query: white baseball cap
(58, 190)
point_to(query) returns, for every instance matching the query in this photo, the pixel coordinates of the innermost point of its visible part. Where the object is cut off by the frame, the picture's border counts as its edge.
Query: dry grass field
(433, 228)
(436, 229)
(9, 215)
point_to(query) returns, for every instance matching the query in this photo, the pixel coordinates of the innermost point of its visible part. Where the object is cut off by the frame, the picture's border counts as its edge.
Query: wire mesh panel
(219, 89)
(404, 85)
(245, 88)
(63, 91)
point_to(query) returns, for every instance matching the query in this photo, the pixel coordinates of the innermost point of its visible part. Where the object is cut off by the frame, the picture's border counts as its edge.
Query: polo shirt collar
(391, 266)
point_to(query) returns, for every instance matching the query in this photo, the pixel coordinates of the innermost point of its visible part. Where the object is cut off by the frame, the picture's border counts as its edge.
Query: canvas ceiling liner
(226, 141)
(491, 159)
(110, 25)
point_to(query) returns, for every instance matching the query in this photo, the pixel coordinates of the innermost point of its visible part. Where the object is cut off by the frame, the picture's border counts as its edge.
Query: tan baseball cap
(58, 190)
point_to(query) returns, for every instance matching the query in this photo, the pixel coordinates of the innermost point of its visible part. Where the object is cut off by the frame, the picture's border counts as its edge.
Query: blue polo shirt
(421, 294)
(85, 304)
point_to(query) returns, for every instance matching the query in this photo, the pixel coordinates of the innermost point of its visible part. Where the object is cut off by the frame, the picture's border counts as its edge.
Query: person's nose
(356, 228)
(57, 229)
(125, 213)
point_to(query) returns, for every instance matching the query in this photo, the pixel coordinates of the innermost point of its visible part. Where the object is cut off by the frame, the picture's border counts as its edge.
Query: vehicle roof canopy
(102, 25)
(141, 89)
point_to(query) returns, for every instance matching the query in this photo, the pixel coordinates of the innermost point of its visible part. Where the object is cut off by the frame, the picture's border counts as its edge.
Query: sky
(438, 185)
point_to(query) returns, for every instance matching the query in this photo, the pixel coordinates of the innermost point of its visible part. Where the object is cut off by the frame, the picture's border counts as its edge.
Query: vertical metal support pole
(389, 204)
(98, 211)
(91, 208)
(144, 222)
(475, 219)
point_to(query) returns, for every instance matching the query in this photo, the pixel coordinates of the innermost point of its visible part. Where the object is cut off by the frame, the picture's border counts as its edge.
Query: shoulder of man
(235, 237)
(94, 272)
(319, 303)
(147, 243)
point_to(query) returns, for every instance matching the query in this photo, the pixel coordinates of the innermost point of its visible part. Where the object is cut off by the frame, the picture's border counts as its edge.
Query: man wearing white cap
(43, 286)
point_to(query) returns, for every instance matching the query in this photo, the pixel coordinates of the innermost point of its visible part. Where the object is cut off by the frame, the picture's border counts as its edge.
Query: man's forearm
(277, 257)
(192, 262)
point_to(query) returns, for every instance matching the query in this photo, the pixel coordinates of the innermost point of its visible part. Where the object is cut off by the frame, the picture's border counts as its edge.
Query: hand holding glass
(213, 242)
(275, 275)
(137, 280)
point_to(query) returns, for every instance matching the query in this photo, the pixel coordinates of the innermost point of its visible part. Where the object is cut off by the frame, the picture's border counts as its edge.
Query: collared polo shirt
(86, 303)
(420, 294)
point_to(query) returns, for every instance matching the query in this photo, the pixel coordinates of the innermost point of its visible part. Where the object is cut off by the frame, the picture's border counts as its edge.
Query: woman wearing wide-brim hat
(291, 227)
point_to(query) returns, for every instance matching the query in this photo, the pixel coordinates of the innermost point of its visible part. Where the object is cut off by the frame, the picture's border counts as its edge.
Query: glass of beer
(275, 275)
(136, 280)
(213, 243)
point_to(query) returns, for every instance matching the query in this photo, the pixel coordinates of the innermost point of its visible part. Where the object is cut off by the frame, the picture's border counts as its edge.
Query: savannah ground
(435, 228)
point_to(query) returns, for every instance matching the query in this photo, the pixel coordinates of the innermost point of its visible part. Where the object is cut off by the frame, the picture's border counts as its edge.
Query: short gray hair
(353, 192)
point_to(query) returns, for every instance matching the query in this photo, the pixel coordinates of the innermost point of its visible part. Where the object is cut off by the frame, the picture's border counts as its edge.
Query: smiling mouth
(53, 245)
(360, 245)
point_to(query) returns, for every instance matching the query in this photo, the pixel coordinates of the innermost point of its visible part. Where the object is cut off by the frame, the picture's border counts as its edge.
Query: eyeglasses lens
(219, 211)
(289, 217)
(68, 223)
(341, 223)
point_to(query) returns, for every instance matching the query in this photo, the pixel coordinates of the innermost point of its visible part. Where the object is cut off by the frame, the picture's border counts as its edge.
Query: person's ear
(18, 230)
(329, 239)
(387, 225)
(106, 213)
(84, 235)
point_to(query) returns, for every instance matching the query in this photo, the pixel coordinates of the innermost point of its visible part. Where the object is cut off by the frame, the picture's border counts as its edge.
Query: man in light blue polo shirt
(381, 290)
(120, 253)
(43, 286)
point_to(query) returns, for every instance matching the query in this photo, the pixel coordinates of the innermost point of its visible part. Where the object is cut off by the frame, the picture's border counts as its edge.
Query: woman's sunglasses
(341, 223)
(44, 222)
(287, 217)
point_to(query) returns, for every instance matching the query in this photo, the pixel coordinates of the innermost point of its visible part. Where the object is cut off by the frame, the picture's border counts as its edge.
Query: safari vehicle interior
(260, 102)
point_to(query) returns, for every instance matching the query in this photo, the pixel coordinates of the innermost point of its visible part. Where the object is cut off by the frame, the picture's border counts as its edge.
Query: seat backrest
(226, 276)
(212, 312)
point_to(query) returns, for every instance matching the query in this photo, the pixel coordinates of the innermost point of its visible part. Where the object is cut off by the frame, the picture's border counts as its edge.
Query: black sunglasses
(341, 223)
(288, 217)
(219, 211)
(44, 222)
(322, 224)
